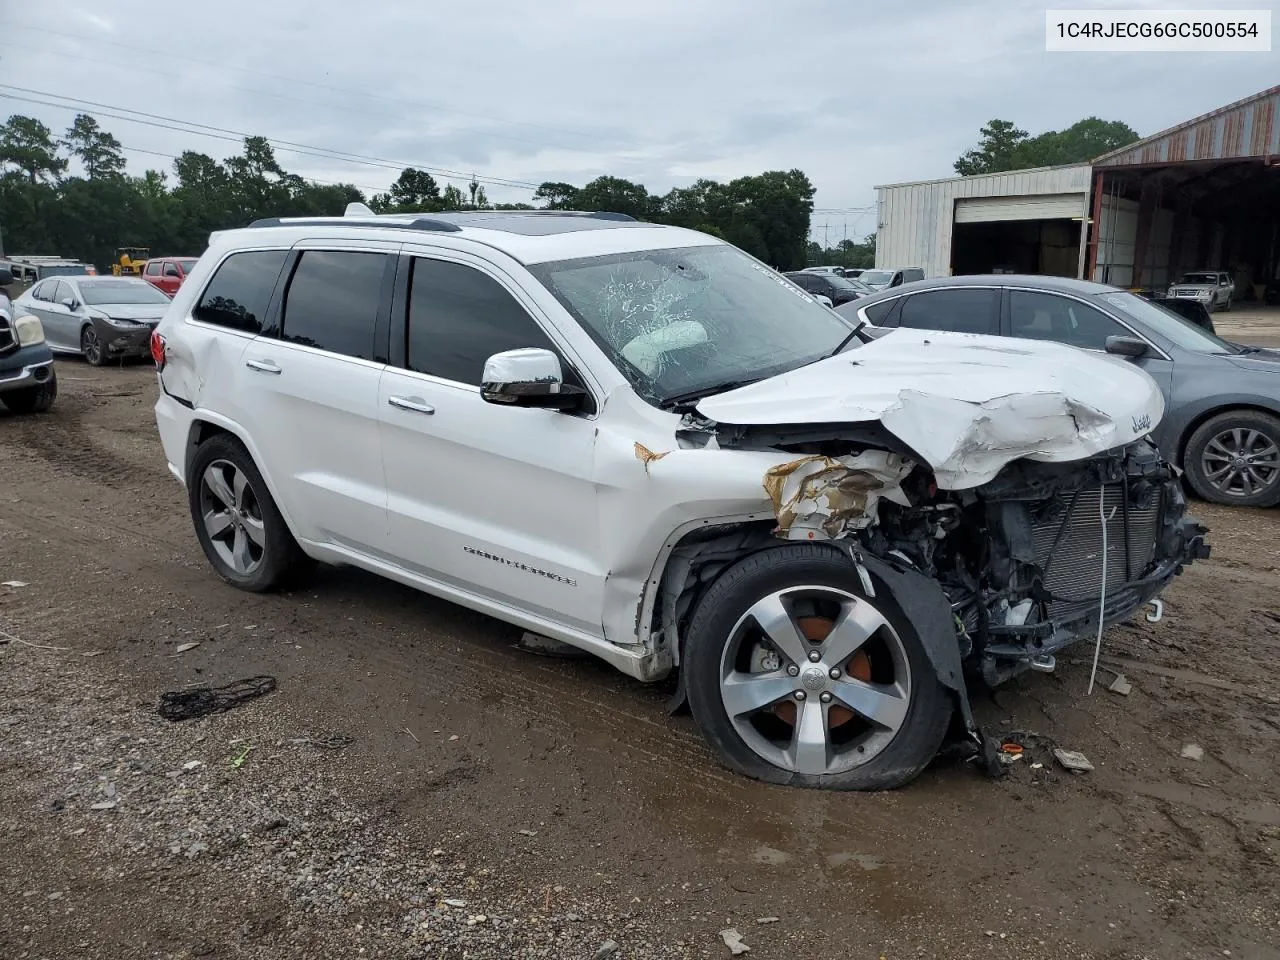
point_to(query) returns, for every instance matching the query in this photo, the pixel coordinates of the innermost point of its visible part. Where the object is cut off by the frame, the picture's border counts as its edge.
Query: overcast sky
(658, 91)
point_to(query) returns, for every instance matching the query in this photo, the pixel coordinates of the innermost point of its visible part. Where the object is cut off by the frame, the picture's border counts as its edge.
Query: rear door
(956, 309)
(310, 392)
(495, 500)
(38, 300)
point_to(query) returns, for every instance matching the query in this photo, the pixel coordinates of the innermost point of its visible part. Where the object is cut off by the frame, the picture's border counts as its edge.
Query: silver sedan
(100, 318)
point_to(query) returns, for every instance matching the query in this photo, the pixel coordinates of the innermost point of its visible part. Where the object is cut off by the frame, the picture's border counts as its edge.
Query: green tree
(1002, 146)
(452, 198)
(557, 196)
(98, 150)
(28, 145)
(997, 146)
(415, 190)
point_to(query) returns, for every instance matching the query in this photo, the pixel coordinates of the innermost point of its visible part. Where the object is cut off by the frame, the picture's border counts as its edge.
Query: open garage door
(1058, 206)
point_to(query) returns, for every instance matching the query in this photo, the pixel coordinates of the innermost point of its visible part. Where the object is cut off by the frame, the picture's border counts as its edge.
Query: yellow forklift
(130, 261)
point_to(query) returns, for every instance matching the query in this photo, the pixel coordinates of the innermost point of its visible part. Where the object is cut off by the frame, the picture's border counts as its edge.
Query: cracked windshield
(691, 320)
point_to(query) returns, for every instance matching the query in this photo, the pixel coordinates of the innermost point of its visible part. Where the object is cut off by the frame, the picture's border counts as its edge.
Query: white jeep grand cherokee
(642, 442)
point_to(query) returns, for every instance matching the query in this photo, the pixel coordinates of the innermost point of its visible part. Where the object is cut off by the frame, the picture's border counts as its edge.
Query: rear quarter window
(238, 295)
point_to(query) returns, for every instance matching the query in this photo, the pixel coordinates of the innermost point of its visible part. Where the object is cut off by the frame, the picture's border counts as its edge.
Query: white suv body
(470, 405)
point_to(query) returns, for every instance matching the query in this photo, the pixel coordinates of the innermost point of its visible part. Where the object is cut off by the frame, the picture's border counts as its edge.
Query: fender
(200, 416)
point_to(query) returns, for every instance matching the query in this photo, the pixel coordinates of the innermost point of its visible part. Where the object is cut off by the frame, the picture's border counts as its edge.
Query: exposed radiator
(1073, 567)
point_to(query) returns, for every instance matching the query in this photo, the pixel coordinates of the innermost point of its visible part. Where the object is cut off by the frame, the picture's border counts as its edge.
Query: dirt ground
(1250, 323)
(496, 804)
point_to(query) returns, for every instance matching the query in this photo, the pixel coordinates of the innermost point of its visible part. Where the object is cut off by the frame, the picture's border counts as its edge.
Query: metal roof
(1244, 129)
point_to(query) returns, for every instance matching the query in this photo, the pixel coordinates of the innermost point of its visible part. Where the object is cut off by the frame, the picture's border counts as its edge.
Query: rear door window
(238, 295)
(332, 302)
(877, 312)
(1035, 315)
(958, 310)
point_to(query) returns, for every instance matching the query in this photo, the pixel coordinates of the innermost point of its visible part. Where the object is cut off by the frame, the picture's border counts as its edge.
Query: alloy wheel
(1241, 462)
(815, 680)
(232, 517)
(91, 346)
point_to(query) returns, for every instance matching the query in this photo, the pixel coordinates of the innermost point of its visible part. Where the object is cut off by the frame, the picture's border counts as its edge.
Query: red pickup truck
(167, 273)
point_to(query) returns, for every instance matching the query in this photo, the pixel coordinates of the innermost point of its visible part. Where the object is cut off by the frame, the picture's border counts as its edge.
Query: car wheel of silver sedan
(1234, 458)
(91, 346)
(795, 676)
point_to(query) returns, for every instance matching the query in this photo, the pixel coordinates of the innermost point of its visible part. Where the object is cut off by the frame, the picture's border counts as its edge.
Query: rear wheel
(1234, 458)
(91, 346)
(794, 676)
(35, 399)
(236, 520)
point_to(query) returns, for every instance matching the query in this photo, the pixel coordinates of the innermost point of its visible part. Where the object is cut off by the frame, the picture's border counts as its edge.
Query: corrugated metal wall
(1246, 128)
(914, 222)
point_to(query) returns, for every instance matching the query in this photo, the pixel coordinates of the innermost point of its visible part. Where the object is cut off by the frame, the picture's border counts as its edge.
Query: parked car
(26, 272)
(1222, 400)
(1192, 310)
(852, 273)
(835, 288)
(167, 273)
(879, 279)
(101, 318)
(838, 271)
(1213, 288)
(637, 440)
(28, 383)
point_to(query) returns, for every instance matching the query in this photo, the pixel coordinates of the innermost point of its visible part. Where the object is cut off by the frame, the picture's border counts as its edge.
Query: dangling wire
(1102, 603)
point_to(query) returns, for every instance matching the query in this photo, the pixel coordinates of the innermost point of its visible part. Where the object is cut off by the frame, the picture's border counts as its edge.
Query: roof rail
(593, 214)
(419, 223)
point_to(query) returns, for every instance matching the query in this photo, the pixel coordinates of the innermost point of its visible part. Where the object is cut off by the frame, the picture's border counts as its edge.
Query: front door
(495, 500)
(61, 323)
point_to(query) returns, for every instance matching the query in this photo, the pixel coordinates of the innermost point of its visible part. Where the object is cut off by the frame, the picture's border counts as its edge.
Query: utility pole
(846, 230)
(825, 244)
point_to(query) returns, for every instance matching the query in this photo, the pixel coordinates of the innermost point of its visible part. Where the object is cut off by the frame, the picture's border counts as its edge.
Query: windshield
(121, 291)
(1165, 323)
(873, 277)
(1199, 278)
(859, 286)
(65, 270)
(676, 322)
(840, 283)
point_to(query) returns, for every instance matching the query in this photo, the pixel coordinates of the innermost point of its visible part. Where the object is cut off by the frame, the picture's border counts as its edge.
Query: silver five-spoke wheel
(232, 517)
(815, 680)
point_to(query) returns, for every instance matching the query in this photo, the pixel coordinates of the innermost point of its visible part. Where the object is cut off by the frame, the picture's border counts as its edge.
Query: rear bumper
(174, 423)
(26, 367)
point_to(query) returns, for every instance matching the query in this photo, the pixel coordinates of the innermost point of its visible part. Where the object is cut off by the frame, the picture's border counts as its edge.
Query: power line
(222, 67)
(223, 133)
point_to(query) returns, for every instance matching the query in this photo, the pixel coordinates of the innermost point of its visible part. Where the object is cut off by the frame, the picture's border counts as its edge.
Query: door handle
(414, 404)
(263, 366)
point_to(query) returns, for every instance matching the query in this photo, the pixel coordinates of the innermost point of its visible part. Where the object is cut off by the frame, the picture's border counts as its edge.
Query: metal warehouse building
(1203, 194)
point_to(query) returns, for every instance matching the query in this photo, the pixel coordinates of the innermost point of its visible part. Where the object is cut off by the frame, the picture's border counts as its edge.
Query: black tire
(722, 606)
(91, 345)
(1198, 473)
(1226, 306)
(282, 560)
(37, 399)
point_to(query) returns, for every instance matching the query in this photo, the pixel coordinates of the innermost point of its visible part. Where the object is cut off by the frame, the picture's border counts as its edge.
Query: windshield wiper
(846, 341)
(1246, 350)
(690, 396)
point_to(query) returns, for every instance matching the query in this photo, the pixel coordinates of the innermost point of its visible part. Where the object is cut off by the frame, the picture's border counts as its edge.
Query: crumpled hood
(149, 312)
(967, 404)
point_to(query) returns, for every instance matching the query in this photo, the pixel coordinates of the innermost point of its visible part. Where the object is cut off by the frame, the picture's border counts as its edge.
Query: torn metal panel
(821, 498)
(967, 404)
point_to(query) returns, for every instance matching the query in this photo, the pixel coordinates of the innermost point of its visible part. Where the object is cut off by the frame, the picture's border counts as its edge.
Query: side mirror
(1126, 346)
(70, 303)
(528, 377)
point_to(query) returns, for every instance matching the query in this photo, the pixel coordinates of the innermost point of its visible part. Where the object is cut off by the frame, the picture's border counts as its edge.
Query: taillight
(157, 349)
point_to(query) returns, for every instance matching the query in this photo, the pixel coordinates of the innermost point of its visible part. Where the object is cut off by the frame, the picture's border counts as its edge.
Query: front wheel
(795, 677)
(91, 346)
(1234, 458)
(35, 399)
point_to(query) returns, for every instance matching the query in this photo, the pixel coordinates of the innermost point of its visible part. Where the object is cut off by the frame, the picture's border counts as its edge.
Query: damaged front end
(1029, 561)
